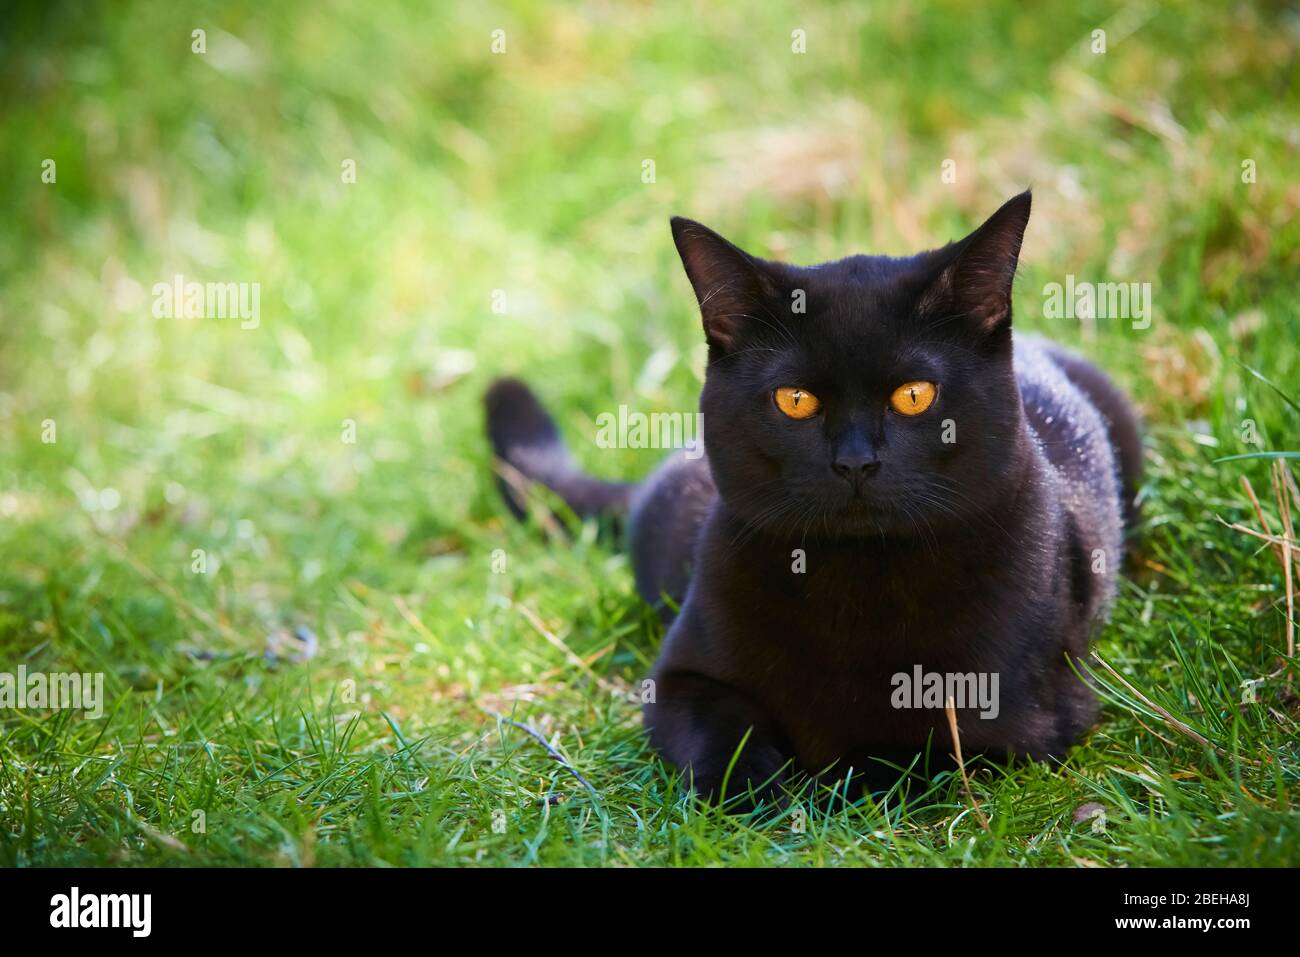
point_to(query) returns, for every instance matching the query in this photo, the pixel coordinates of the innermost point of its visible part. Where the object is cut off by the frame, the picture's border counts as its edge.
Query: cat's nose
(856, 466)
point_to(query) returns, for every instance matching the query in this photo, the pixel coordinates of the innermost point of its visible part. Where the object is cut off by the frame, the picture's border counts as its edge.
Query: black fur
(996, 552)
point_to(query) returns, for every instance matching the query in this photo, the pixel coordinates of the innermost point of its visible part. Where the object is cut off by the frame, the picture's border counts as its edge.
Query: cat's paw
(752, 782)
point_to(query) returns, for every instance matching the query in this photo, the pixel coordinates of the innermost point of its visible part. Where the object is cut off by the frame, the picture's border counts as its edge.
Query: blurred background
(432, 194)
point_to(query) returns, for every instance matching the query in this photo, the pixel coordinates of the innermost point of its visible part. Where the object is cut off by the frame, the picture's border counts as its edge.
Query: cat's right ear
(731, 285)
(976, 283)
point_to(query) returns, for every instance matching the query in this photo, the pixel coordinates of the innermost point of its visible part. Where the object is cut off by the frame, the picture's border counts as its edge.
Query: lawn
(421, 211)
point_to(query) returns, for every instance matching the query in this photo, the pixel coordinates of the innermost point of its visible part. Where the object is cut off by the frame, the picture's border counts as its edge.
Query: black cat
(891, 490)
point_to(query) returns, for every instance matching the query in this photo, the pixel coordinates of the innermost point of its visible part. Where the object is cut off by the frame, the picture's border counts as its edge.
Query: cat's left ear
(976, 283)
(730, 284)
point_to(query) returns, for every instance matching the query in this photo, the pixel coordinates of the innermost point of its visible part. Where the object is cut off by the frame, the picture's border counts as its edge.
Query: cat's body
(813, 652)
(817, 558)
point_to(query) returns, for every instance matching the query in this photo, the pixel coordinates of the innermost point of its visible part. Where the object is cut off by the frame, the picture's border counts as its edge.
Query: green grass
(523, 172)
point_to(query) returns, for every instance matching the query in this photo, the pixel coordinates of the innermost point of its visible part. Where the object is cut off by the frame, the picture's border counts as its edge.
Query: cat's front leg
(699, 725)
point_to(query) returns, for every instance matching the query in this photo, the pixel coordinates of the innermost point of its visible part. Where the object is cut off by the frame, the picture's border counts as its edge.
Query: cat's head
(871, 396)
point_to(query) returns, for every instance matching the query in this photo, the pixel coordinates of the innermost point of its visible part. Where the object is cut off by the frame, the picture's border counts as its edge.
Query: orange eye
(796, 403)
(912, 398)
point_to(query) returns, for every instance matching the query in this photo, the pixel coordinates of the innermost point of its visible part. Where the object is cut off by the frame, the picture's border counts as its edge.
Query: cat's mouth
(861, 517)
(857, 517)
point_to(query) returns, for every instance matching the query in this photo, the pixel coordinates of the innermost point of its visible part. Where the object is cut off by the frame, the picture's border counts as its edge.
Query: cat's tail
(529, 448)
